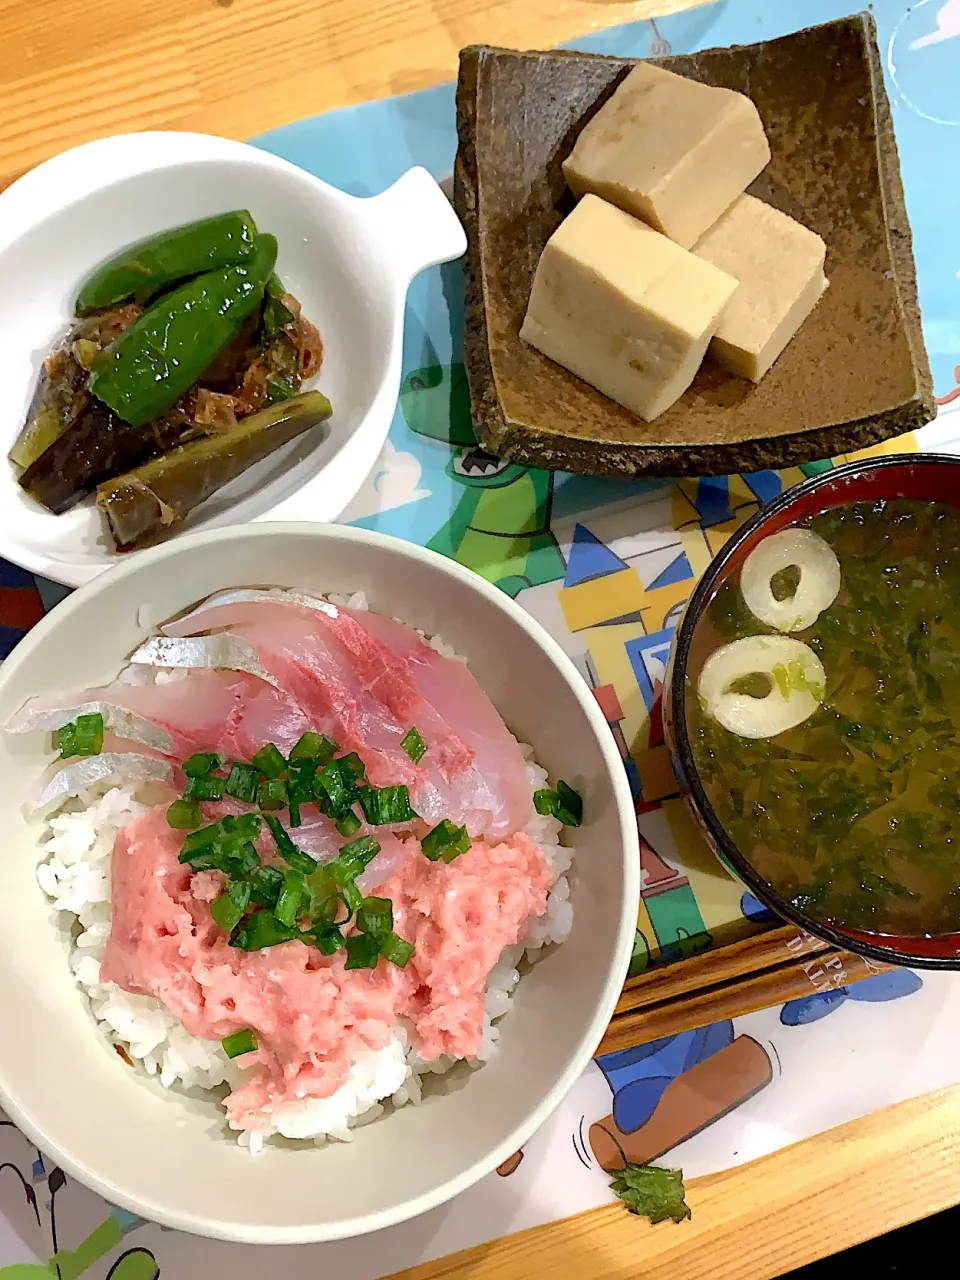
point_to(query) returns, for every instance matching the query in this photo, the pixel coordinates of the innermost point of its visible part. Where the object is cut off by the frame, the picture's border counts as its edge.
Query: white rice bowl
(167, 1154)
(75, 874)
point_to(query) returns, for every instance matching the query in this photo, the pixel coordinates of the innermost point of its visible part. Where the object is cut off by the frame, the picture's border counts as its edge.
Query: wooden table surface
(71, 72)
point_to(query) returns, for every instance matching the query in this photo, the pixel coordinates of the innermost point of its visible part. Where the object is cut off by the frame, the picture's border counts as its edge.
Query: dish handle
(415, 224)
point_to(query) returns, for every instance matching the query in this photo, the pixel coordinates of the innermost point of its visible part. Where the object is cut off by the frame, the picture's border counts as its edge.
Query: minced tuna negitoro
(306, 855)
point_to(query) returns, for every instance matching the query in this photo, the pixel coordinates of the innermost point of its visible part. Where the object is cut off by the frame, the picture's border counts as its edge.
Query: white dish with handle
(348, 260)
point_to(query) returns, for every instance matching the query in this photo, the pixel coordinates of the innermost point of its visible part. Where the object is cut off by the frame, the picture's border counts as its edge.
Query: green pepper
(163, 353)
(146, 268)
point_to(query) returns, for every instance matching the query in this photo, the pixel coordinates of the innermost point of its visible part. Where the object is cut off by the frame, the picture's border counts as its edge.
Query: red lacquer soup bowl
(925, 477)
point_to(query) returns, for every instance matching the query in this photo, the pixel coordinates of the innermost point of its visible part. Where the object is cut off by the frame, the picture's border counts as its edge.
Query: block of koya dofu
(672, 151)
(779, 264)
(623, 307)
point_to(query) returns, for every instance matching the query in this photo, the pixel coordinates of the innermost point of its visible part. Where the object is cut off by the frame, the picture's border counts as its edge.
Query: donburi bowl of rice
(233, 1074)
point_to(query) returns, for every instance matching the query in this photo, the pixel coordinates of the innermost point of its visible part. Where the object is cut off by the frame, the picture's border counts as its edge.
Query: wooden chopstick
(770, 968)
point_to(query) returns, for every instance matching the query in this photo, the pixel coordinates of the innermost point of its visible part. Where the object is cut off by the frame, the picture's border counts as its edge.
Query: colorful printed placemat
(606, 566)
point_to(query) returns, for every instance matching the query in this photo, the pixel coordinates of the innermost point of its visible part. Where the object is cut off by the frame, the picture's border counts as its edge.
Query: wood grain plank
(71, 73)
(759, 1220)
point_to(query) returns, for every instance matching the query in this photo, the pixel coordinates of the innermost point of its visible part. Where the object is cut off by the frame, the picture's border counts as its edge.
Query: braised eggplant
(62, 393)
(94, 447)
(153, 500)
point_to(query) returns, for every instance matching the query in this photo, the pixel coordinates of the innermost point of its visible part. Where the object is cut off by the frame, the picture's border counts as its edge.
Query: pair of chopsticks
(764, 969)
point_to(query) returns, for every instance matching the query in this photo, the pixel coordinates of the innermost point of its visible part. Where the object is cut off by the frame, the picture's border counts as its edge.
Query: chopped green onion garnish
(564, 804)
(343, 880)
(351, 766)
(386, 804)
(198, 840)
(288, 851)
(446, 841)
(261, 930)
(300, 775)
(81, 737)
(337, 784)
(265, 886)
(201, 859)
(269, 761)
(321, 885)
(329, 909)
(300, 786)
(375, 916)
(327, 940)
(229, 840)
(237, 859)
(329, 791)
(414, 745)
(291, 898)
(351, 895)
(570, 808)
(243, 782)
(204, 788)
(199, 765)
(272, 794)
(228, 910)
(244, 827)
(201, 855)
(396, 950)
(545, 801)
(239, 1043)
(349, 824)
(314, 746)
(184, 815)
(355, 855)
(90, 734)
(363, 952)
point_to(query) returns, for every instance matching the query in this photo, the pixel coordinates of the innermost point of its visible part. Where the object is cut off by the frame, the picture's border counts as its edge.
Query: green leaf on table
(652, 1193)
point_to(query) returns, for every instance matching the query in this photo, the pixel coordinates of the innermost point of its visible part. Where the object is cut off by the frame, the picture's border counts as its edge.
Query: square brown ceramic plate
(856, 372)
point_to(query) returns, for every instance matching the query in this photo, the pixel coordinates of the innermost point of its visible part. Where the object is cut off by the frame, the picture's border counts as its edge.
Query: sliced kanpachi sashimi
(173, 717)
(386, 674)
(307, 665)
(223, 711)
(219, 652)
(395, 851)
(319, 837)
(65, 779)
(450, 689)
(269, 715)
(378, 679)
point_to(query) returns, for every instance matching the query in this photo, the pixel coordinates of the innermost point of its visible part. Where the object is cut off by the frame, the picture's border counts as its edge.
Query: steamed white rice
(75, 875)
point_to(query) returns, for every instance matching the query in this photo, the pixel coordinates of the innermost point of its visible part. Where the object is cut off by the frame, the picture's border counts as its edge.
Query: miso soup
(852, 813)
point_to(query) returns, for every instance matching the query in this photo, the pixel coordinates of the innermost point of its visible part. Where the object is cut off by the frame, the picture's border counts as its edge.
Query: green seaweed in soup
(854, 815)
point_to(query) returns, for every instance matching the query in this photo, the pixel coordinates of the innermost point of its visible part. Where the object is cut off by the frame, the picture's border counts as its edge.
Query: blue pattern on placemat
(11, 575)
(10, 637)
